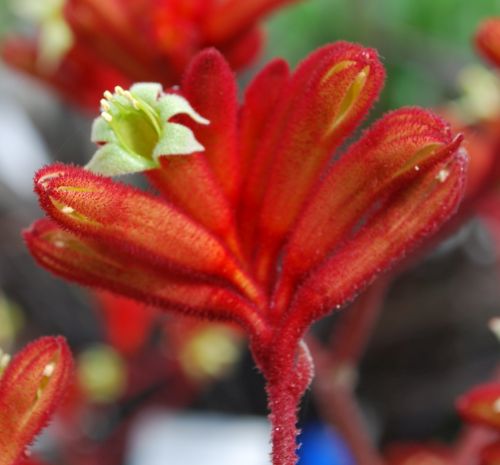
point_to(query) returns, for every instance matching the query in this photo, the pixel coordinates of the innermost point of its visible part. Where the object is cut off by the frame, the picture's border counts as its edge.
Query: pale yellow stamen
(107, 116)
(105, 106)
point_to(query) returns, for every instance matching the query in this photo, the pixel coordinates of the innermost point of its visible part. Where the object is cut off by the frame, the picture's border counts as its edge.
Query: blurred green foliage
(6, 17)
(424, 43)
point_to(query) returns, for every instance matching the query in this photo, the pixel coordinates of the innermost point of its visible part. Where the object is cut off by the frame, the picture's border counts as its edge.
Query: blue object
(322, 446)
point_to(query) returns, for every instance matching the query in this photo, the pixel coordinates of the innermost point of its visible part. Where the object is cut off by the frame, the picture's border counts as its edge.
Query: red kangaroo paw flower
(31, 387)
(393, 152)
(488, 40)
(316, 125)
(262, 222)
(481, 405)
(134, 224)
(392, 232)
(91, 264)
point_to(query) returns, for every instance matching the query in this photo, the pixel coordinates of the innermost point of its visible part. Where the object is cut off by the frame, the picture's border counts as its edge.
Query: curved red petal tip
(481, 405)
(488, 40)
(31, 388)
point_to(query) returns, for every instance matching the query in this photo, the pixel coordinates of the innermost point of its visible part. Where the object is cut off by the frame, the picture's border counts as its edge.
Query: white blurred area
(199, 438)
(22, 150)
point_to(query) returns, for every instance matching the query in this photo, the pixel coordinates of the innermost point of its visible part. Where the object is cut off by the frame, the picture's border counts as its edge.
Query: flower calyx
(134, 130)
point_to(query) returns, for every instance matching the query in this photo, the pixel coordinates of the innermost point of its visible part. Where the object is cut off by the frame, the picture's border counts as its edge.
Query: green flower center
(134, 130)
(136, 124)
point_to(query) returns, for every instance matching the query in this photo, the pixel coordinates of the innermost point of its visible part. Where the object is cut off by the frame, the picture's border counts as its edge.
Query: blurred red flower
(31, 387)
(115, 42)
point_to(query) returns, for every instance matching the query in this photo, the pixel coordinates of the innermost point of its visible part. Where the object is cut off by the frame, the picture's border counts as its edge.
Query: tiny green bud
(133, 130)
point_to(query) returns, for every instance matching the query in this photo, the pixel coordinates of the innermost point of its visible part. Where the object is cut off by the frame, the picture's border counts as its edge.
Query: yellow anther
(131, 99)
(119, 90)
(107, 116)
(108, 95)
(105, 106)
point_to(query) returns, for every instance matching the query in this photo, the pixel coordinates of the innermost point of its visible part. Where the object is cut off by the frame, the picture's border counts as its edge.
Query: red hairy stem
(285, 388)
(283, 417)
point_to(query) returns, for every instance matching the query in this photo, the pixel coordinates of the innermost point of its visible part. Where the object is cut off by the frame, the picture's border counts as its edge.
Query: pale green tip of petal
(101, 131)
(172, 104)
(112, 160)
(147, 91)
(177, 140)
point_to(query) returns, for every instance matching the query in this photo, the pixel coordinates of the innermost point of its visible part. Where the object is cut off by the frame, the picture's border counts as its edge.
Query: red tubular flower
(266, 227)
(118, 41)
(31, 388)
(488, 40)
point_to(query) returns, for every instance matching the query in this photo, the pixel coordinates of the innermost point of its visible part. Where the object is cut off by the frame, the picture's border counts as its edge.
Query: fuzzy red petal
(189, 183)
(256, 116)
(135, 224)
(488, 40)
(28, 397)
(91, 265)
(392, 152)
(410, 214)
(341, 86)
(210, 87)
(481, 405)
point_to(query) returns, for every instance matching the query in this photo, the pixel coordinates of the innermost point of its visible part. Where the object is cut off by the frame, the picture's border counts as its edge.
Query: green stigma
(134, 130)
